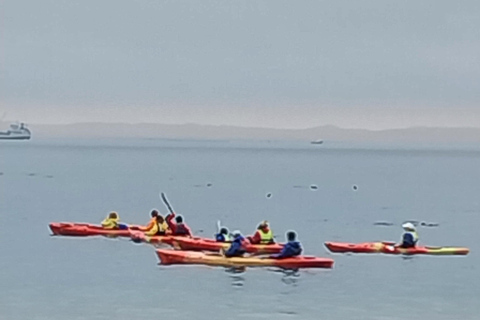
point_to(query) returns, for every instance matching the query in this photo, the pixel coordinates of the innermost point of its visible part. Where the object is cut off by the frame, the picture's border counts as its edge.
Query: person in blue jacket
(409, 237)
(237, 247)
(292, 248)
(223, 235)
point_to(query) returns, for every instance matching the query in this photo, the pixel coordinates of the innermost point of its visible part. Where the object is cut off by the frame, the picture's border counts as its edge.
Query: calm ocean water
(44, 277)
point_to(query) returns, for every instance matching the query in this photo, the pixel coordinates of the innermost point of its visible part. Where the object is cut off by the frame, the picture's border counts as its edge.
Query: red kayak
(86, 229)
(204, 244)
(168, 257)
(390, 248)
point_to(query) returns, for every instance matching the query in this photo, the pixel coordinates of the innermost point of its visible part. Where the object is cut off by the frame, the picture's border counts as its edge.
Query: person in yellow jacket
(156, 226)
(160, 228)
(112, 221)
(263, 235)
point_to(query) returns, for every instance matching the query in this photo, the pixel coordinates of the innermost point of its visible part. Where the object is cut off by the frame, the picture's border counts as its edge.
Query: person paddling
(112, 221)
(178, 227)
(237, 247)
(223, 235)
(292, 248)
(152, 224)
(160, 228)
(409, 237)
(263, 235)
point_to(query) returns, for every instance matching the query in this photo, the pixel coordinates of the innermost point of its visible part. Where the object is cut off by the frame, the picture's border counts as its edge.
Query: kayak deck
(168, 257)
(390, 248)
(204, 244)
(85, 229)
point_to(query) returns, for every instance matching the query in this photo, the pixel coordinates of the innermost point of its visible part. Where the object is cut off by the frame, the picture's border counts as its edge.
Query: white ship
(16, 132)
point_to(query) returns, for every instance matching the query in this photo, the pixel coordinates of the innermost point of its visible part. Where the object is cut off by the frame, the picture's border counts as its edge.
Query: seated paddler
(223, 235)
(112, 221)
(409, 237)
(292, 248)
(237, 247)
(160, 228)
(263, 235)
(178, 227)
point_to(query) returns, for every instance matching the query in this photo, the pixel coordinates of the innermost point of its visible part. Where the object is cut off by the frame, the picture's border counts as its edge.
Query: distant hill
(196, 131)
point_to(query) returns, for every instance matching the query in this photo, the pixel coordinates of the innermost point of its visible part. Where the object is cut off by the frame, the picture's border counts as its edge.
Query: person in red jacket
(263, 235)
(178, 227)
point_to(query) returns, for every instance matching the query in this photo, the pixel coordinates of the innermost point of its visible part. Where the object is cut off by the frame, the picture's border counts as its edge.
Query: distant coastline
(211, 132)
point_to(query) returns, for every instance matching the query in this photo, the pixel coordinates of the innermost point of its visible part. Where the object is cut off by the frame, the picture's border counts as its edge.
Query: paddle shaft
(165, 201)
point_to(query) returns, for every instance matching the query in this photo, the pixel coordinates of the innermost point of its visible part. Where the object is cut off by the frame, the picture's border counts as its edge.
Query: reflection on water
(236, 275)
(289, 276)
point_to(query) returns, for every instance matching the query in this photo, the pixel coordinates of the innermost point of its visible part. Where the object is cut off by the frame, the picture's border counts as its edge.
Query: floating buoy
(354, 187)
(268, 195)
(313, 187)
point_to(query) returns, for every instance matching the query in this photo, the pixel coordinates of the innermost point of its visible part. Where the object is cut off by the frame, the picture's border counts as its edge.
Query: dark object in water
(354, 187)
(429, 224)
(209, 185)
(313, 187)
(382, 223)
(268, 195)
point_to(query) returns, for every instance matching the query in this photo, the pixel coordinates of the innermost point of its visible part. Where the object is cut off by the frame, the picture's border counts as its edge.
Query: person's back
(409, 237)
(111, 222)
(292, 248)
(178, 228)
(223, 235)
(237, 247)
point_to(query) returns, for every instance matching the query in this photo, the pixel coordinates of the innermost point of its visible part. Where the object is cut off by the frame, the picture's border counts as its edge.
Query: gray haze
(281, 64)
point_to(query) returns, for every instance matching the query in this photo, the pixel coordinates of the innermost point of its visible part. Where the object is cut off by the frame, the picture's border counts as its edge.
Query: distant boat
(316, 142)
(16, 132)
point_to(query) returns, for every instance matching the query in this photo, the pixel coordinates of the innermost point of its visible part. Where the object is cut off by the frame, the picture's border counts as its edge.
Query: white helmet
(236, 233)
(408, 226)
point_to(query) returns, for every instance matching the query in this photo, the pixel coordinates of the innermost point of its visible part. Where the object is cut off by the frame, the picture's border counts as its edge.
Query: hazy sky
(293, 64)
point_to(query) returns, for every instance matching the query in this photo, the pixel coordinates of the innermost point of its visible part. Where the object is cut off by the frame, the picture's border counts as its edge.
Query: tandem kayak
(204, 244)
(86, 229)
(168, 257)
(390, 248)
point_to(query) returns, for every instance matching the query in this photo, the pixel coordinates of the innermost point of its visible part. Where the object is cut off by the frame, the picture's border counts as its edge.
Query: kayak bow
(85, 229)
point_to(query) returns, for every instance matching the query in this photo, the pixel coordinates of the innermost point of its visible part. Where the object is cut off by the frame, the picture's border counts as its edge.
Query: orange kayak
(390, 248)
(204, 244)
(168, 257)
(86, 229)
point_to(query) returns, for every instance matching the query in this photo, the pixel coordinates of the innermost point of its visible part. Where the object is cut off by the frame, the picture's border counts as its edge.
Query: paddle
(165, 201)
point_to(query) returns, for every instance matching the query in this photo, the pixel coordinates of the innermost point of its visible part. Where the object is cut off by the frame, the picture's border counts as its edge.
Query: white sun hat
(408, 226)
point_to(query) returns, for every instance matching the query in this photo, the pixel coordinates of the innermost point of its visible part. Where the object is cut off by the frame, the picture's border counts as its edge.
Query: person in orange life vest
(178, 227)
(160, 228)
(263, 235)
(152, 223)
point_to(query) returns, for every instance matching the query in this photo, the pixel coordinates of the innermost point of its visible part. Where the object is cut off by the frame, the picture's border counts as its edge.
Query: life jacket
(266, 237)
(109, 223)
(162, 228)
(154, 228)
(181, 230)
(220, 237)
(414, 236)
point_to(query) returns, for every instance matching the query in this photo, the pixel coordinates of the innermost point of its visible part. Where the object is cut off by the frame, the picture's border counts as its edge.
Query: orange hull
(85, 229)
(168, 257)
